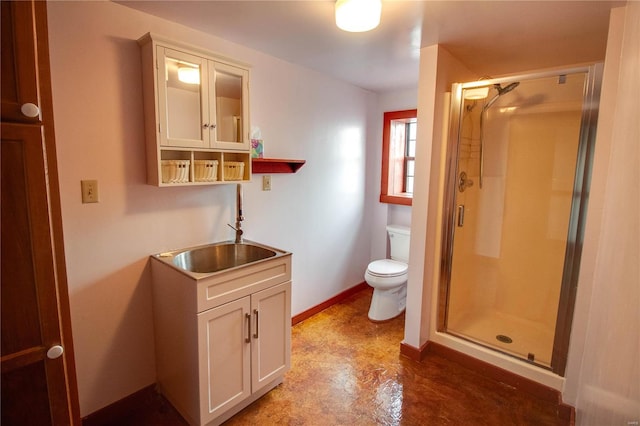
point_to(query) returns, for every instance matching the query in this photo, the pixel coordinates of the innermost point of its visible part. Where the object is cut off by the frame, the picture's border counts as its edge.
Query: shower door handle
(461, 215)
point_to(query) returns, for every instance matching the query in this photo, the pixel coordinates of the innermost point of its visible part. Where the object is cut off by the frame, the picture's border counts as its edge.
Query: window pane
(398, 162)
(409, 156)
(408, 175)
(410, 168)
(412, 130)
(410, 150)
(409, 188)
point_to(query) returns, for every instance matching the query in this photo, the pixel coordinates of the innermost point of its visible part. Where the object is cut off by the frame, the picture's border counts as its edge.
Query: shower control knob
(464, 182)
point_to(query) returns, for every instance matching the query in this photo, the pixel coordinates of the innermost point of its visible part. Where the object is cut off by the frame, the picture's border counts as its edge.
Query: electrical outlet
(266, 183)
(89, 191)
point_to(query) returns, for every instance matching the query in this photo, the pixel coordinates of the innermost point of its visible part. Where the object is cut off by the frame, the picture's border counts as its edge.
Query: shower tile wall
(542, 158)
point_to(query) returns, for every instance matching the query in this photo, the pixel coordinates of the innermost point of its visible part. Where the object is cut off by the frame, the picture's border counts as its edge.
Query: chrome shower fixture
(501, 91)
(464, 182)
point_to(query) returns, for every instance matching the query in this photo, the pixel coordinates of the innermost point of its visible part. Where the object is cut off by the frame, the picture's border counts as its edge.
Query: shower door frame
(578, 212)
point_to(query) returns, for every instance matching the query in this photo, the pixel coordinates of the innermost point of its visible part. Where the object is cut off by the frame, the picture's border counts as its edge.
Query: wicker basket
(205, 170)
(233, 170)
(175, 171)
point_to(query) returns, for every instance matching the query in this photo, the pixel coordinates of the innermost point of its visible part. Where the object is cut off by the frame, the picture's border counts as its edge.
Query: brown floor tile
(347, 370)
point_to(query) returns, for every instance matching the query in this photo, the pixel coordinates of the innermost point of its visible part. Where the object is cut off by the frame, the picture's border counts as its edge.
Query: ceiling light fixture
(189, 75)
(358, 15)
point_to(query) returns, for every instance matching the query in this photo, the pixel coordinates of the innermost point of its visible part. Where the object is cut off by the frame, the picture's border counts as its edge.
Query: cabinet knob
(55, 352)
(30, 110)
(205, 125)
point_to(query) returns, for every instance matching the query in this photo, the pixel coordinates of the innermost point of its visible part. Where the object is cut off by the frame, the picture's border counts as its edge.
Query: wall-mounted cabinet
(196, 115)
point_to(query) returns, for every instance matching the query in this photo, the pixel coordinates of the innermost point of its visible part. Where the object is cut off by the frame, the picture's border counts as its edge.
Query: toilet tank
(399, 237)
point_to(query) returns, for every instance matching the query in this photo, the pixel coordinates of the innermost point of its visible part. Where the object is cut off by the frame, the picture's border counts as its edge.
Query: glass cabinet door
(229, 105)
(182, 99)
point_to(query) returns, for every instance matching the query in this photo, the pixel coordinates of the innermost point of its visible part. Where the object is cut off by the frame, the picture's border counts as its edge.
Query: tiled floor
(347, 370)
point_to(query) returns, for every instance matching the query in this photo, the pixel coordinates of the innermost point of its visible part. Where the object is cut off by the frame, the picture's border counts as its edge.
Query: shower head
(501, 91)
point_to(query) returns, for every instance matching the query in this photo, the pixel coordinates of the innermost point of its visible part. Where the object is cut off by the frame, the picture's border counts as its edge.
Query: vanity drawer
(234, 284)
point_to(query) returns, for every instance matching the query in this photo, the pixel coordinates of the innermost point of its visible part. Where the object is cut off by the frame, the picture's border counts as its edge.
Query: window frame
(394, 160)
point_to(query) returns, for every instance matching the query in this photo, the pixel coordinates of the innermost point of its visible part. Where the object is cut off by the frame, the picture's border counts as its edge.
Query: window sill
(404, 200)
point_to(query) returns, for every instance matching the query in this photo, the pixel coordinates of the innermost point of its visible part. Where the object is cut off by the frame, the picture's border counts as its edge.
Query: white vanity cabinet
(196, 109)
(222, 341)
(244, 347)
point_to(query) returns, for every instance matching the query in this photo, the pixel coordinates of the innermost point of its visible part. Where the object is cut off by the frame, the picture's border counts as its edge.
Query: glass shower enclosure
(519, 161)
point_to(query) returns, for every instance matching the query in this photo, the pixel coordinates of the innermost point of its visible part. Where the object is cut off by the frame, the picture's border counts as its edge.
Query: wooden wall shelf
(275, 165)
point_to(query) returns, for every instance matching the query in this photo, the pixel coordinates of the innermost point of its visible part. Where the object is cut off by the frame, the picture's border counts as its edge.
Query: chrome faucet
(239, 217)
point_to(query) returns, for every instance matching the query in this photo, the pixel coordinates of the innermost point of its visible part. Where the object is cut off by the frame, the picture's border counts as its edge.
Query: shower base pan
(507, 333)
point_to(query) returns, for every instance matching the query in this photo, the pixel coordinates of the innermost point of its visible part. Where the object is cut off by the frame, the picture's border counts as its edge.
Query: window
(398, 156)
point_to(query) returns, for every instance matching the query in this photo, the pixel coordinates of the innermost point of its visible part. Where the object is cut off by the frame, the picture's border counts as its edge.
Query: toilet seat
(387, 268)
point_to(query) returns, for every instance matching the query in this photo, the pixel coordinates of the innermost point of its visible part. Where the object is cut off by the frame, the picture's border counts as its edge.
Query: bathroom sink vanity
(223, 338)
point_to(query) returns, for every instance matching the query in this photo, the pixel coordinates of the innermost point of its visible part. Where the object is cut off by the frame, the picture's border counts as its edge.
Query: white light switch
(89, 191)
(266, 182)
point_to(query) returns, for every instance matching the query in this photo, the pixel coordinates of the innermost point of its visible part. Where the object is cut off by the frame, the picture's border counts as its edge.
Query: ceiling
(491, 37)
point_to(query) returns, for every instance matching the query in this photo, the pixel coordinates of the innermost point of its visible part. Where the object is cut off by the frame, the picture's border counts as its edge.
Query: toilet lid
(387, 268)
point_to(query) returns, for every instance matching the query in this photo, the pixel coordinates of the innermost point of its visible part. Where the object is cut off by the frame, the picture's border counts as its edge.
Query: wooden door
(19, 59)
(29, 302)
(38, 373)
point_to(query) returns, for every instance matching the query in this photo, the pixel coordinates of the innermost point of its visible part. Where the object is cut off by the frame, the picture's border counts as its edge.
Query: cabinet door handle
(255, 335)
(248, 318)
(55, 351)
(30, 110)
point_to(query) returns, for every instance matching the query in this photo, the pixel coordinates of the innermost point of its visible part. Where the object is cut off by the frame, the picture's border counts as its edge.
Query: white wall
(438, 70)
(383, 214)
(319, 214)
(603, 373)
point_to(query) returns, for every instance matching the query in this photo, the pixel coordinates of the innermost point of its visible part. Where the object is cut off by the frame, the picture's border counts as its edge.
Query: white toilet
(388, 277)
